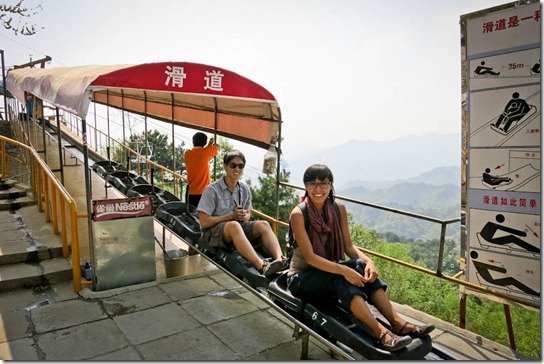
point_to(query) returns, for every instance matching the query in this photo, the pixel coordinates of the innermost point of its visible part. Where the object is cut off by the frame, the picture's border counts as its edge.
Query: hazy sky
(340, 69)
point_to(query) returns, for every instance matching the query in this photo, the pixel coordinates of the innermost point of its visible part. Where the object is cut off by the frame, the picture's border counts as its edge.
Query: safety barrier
(52, 199)
(276, 223)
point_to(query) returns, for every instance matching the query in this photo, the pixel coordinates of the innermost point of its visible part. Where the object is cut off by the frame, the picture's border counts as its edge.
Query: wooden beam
(31, 64)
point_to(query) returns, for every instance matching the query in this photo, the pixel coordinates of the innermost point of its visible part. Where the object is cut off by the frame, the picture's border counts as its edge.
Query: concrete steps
(14, 195)
(30, 252)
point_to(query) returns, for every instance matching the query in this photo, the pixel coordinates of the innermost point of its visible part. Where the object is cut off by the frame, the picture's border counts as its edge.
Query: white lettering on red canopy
(176, 75)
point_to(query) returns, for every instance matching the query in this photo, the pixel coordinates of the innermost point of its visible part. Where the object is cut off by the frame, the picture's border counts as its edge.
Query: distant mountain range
(433, 194)
(399, 159)
(436, 176)
(420, 191)
(418, 174)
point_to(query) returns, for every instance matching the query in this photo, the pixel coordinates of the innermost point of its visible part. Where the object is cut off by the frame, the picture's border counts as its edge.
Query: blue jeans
(313, 285)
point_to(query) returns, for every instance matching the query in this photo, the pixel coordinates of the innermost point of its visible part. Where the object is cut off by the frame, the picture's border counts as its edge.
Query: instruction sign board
(124, 242)
(503, 131)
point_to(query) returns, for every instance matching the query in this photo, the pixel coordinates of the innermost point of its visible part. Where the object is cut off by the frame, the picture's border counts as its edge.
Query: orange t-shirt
(198, 169)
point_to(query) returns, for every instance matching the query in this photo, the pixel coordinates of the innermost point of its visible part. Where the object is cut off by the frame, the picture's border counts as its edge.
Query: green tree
(179, 154)
(224, 147)
(362, 237)
(18, 12)
(264, 200)
(160, 149)
(424, 252)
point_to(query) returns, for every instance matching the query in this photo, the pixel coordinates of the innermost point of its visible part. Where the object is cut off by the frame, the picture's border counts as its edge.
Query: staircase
(30, 252)
(14, 195)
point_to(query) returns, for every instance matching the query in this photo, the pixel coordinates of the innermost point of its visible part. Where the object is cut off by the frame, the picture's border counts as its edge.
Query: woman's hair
(230, 155)
(320, 172)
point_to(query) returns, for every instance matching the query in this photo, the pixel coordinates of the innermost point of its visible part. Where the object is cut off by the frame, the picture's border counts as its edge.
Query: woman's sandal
(396, 342)
(417, 331)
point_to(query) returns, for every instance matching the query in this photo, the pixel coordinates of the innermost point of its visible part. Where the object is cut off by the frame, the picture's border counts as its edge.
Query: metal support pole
(108, 116)
(4, 85)
(174, 150)
(511, 335)
(27, 123)
(463, 311)
(88, 190)
(59, 138)
(441, 248)
(124, 156)
(215, 137)
(95, 130)
(145, 139)
(37, 118)
(304, 351)
(278, 174)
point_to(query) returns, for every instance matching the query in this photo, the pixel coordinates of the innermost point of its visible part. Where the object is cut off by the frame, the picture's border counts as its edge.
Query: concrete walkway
(204, 316)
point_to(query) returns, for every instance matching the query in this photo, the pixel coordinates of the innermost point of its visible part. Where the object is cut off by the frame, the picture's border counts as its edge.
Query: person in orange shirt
(197, 165)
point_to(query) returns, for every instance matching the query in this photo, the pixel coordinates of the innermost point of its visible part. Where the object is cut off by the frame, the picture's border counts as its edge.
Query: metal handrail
(443, 225)
(46, 187)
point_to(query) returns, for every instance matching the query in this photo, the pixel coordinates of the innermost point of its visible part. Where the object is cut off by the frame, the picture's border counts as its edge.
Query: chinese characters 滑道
(176, 75)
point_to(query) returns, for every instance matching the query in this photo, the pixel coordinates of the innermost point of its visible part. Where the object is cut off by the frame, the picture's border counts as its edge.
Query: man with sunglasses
(224, 212)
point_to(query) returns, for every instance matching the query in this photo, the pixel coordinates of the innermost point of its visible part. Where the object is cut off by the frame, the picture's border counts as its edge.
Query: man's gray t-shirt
(217, 199)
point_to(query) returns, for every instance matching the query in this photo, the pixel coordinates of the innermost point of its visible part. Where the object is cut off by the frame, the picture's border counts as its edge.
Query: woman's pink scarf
(326, 224)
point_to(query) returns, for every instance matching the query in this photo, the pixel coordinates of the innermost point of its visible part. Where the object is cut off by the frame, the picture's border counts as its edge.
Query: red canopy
(193, 95)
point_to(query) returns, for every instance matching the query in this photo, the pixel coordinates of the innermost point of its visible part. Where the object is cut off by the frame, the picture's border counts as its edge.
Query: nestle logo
(114, 209)
(130, 206)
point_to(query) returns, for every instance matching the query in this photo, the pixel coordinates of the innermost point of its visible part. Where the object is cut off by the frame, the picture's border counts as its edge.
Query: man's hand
(239, 214)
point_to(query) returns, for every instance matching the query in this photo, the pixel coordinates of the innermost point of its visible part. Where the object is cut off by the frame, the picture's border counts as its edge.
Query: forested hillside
(442, 201)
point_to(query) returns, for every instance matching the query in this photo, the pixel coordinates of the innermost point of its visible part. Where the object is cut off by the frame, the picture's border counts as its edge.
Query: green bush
(440, 298)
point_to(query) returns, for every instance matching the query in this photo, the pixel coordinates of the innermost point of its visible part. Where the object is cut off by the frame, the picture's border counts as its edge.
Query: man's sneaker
(270, 268)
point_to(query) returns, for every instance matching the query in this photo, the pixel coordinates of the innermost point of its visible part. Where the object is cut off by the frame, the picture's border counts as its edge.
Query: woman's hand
(371, 273)
(353, 277)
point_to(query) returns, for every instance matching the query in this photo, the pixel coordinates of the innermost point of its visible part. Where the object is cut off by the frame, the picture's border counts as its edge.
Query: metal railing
(276, 223)
(115, 150)
(177, 178)
(52, 199)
